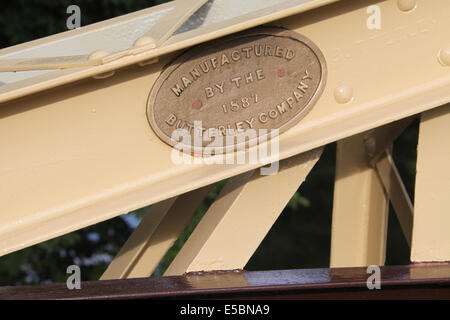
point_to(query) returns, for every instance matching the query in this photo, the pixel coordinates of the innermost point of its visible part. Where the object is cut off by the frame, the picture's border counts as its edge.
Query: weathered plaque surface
(268, 78)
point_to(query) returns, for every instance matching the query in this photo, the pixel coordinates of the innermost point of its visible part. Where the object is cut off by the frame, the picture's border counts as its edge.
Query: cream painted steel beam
(242, 215)
(84, 153)
(431, 232)
(380, 139)
(117, 36)
(378, 143)
(360, 209)
(154, 236)
(396, 191)
(131, 251)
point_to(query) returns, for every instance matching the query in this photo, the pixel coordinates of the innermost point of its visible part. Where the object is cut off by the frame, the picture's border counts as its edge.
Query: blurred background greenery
(299, 239)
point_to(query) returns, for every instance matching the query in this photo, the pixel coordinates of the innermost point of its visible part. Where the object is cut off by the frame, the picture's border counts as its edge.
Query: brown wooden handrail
(418, 281)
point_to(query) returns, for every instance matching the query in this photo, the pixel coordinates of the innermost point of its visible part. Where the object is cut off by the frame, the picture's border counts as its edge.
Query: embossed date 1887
(267, 78)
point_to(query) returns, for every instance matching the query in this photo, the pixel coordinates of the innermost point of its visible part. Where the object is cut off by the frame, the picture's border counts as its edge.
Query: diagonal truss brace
(242, 215)
(378, 145)
(366, 180)
(156, 233)
(228, 234)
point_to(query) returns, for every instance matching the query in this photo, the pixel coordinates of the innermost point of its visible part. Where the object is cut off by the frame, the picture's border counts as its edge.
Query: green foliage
(298, 201)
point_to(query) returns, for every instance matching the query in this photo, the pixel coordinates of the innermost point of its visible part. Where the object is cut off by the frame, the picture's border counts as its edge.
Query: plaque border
(184, 57)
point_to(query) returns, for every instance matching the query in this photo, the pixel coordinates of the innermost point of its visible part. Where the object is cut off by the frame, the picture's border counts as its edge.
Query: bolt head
(343, 93)
(444, 56)
(406, 5)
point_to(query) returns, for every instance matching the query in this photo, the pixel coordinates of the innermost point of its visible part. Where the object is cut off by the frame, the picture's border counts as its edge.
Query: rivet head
(444, 56)
(98, 55)
(143, 41)
(343, 93)
(406, 5)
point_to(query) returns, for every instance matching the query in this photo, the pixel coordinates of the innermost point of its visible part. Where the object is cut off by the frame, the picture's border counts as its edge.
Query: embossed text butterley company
(267, 78)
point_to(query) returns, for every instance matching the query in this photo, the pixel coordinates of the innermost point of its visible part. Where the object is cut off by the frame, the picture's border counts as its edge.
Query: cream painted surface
(120, 33)
(241, 216)
(431, 226)
(84, 153)
(394, 188)
(360, 209)
(24, 84)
